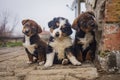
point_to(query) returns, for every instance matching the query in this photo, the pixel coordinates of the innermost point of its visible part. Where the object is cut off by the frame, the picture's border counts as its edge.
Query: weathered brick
(111, 37)
(112, 11)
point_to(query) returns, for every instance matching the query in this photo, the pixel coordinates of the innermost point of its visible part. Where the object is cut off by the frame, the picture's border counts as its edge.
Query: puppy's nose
(57, 34)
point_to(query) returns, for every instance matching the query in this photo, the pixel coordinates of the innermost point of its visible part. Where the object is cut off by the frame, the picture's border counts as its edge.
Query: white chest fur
(31, 48)
(86, 40)
(60, 45)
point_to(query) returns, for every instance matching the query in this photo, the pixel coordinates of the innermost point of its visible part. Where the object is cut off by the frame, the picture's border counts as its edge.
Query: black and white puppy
(34, 46)
(60, 44)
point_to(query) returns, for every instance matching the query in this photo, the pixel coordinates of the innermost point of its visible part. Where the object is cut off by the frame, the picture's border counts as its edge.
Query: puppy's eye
(82, 23)
(52, 27)
(57, 26)
(92, 25)
(33, 28)
(27, 25)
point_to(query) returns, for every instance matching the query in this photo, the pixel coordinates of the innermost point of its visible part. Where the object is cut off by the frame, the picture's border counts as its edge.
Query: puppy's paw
(41, 63)
(29, 62)
(77, 63)
(74, 61)
(65, 61)
(48, 64)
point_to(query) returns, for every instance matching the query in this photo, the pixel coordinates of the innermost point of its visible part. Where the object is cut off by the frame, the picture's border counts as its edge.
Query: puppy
(85, 43)
(59, 48)
(34, 46)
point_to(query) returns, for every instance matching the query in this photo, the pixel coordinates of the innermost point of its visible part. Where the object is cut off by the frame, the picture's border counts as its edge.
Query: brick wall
(111, 27)
(111, 37)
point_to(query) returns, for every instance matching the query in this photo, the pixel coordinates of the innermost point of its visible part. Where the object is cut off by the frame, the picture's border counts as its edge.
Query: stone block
(111, 61)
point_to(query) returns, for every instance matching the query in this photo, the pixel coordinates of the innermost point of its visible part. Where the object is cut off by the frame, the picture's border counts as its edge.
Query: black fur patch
(77, 48)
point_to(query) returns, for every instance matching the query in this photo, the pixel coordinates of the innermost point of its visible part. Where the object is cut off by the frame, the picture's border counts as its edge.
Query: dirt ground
(13, 66)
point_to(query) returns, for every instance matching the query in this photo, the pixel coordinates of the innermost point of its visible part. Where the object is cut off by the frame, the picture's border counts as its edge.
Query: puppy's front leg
(71, 57)
(41, 58)
(79, 56)
(49, 59)
(30, 58)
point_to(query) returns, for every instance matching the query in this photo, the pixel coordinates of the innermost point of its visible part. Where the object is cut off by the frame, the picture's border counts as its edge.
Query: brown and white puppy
(34, 46)
(85, 43)
(59, 48)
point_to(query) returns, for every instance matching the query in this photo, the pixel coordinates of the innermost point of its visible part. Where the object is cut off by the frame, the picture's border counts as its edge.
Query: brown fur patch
(88, 55)
(79, 57)
(30, 57)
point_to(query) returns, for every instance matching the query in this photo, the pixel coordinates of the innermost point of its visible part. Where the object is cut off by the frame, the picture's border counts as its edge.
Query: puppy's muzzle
(57, 34)
(26, 32)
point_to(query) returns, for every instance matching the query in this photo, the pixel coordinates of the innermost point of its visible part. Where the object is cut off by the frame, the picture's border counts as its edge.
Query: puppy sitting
(60, 44)
(85, 43)
(34, 46)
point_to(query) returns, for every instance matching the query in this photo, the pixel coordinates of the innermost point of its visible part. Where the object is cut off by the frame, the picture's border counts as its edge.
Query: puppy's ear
(91, 13)
(24, 21)
(52, 23)
(39, 29)
(67, 30)
(75, 24)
